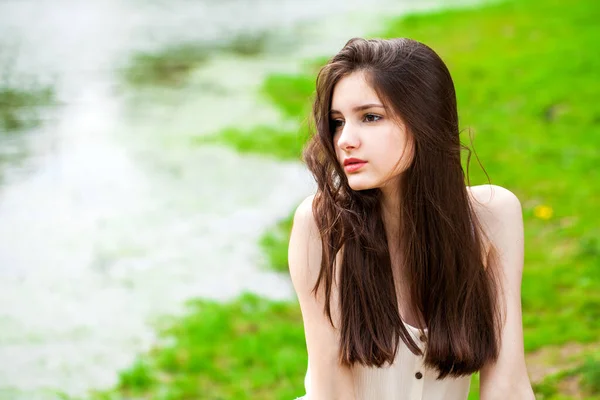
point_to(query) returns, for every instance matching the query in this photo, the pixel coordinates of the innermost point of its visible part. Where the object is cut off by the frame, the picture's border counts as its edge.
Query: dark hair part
(451, 289)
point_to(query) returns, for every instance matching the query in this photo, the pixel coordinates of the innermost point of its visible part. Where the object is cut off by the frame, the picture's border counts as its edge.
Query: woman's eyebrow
(360, 108)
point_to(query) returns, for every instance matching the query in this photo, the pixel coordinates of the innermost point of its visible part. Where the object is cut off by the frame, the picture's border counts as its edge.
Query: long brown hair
(452, 292)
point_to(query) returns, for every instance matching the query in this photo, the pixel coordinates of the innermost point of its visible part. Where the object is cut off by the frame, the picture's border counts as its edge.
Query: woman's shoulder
(492, 195)
(492, 203)
(304, 211)
(499, 213)
(304, 223)
(304, 252)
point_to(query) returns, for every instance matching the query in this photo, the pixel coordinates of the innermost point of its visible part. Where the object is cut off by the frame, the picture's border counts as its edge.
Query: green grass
(527, 80)
(590, 373)
(587, 376)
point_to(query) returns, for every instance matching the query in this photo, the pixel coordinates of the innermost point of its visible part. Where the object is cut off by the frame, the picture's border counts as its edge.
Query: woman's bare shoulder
(304, 211)
(328, 378)
(497, 209)
(304, 228)
(304, 250)
(493, 202)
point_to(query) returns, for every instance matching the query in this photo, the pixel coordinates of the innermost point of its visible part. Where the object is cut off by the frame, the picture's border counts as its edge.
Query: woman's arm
(329, 380)
(503, 222)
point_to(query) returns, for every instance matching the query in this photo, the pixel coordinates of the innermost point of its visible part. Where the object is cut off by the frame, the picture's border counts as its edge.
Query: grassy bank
(526, 79)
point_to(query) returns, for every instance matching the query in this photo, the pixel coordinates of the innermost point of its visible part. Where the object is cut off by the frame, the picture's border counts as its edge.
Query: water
(117, 219)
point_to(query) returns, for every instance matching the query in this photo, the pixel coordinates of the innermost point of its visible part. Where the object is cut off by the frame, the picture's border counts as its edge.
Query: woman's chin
(358, 185)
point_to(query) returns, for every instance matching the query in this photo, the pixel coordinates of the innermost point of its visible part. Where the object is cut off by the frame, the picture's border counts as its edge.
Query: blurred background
(150, 165)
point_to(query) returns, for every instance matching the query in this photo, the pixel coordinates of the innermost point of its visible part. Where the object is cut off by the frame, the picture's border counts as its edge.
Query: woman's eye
(372, 117)
(337, 123)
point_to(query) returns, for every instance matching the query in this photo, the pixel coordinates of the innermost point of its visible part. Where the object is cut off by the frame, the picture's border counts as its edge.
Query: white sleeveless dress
(405, 379)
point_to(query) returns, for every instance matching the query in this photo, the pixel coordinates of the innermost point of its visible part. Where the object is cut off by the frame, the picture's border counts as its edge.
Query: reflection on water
(119, 219)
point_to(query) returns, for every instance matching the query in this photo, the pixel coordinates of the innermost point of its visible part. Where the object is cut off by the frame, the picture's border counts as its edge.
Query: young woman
(408, 280)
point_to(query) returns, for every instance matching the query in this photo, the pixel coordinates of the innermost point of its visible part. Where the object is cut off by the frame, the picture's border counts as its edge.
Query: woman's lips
(354, 166)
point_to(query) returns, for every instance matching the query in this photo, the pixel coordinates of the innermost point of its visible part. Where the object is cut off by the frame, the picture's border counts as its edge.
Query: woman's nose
(348, 138)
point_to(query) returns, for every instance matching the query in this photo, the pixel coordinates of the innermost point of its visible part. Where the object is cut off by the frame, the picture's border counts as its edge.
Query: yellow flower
(543, 211)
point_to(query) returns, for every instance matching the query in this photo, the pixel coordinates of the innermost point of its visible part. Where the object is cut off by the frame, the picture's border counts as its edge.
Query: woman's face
(372, 147)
